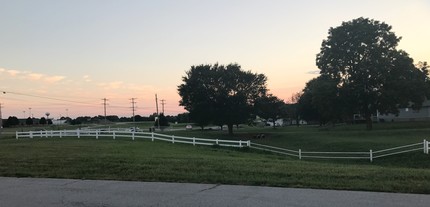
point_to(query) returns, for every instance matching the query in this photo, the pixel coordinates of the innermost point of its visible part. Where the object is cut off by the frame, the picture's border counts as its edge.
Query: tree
(11, 121)
(42, 121)
(220, 94)
(320, 101)
(361, 57)
(270, 107)
(163, 122)
(29, 121)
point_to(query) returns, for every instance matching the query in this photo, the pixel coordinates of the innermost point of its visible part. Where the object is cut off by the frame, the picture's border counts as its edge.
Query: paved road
(66, 192)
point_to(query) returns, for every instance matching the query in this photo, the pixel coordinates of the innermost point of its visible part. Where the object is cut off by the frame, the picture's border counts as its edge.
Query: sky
(64, 57)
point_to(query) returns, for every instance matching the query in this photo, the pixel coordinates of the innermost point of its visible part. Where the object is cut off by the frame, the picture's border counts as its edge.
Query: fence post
(173, 139)
(194, 141)
(300, 154)
(426, 147)
(97, 134)
(240, 143)
(61, 135)
(16, 135)
(132, 135)
(216, 141)
(113, 134)
(31, 134)
(152, 136)
(78, 133)
(371, 156)
(46, 134)
(249, 143)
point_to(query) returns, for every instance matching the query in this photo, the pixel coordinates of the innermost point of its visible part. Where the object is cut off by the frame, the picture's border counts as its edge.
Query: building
(408, 114)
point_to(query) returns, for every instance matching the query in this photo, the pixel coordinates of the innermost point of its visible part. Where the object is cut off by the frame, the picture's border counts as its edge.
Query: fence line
(133, 135)
(370, 155)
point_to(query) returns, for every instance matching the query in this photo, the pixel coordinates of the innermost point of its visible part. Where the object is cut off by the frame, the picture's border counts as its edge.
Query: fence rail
(133, 135)
(370, 155)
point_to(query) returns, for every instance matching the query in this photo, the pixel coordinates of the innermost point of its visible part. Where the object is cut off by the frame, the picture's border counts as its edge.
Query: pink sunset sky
(64, 57)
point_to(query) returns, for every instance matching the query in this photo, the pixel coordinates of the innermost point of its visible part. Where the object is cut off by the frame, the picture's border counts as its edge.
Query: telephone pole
(133, 108)
(156, 105)
(104, 105)
(163, 102)
(1, 121)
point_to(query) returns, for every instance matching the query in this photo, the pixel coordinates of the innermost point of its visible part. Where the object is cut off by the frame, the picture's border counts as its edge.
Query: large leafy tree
(320, 100)
(220, 94)
(361, 57)
(270, 107)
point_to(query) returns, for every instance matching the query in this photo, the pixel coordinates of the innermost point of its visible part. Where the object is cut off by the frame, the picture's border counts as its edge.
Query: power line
(44, 97)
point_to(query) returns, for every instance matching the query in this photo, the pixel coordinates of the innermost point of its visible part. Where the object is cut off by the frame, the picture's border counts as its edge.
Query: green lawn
(144, 160)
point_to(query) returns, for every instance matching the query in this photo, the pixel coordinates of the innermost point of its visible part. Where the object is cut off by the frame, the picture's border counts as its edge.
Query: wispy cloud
(54, 79)
(313, 72)
(111, 85)
(13, 72)
(32, 76)
(87, 78)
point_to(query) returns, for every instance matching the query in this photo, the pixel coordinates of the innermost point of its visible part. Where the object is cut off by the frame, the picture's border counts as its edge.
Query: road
(78, 193)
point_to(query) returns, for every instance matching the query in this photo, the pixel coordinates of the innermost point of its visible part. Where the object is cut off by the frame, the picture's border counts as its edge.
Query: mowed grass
(143, 160)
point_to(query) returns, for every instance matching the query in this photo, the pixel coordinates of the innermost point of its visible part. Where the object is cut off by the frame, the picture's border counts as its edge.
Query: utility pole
(1, 121)
(163, 102)
(104, 106)
(156, 105)
(133, 109)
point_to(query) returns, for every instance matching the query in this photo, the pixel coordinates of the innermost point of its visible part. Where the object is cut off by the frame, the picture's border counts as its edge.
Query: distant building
(58, 122)
(408, 114)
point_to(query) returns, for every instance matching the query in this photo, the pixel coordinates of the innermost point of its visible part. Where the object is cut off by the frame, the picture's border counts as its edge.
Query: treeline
(13, 121)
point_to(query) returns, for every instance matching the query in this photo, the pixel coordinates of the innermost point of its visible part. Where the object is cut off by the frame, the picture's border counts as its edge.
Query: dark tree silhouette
(220, 94)
(361, 57)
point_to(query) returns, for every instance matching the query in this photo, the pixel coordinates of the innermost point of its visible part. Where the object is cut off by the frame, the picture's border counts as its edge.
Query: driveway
(67, 192)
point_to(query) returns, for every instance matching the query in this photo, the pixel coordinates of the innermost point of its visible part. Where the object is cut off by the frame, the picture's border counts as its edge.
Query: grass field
(144, 160)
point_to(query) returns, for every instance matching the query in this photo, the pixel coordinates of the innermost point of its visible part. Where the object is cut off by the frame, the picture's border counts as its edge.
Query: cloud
(34, 76)
(13, 72)
(87, 78)
(313, 72)
(53, 79)
(111, 85)
(28, 75)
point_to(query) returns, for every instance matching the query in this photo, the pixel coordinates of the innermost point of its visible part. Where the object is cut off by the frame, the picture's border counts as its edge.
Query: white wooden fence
(133, 135)
(370, 155)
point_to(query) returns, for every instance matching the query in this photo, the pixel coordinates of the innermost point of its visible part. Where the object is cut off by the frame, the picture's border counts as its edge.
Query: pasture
(143, 160)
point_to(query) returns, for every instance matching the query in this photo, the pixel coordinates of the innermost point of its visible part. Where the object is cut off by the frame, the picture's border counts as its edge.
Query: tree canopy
(220, 94)
(270, 107)
(372, 76)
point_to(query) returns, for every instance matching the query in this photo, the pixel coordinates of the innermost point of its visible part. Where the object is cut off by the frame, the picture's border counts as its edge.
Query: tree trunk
(369, 123)
(230, 129)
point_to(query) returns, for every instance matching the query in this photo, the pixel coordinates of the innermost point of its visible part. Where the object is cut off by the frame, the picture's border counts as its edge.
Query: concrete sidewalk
(66, 192)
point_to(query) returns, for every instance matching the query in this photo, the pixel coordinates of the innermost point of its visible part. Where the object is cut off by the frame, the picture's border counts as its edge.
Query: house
(59, 122)
(408, 114)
